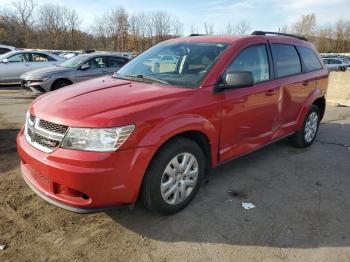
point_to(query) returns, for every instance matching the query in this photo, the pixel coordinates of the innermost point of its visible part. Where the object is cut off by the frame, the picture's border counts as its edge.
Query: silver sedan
(14, 64)
(76, 69)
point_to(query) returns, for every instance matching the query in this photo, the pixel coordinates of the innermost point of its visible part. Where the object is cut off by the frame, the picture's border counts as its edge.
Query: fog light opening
(85, 196)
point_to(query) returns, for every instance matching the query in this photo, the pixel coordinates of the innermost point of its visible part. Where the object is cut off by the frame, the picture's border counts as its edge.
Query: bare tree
(305, 26)
(73, 22)
(242, 27)
(194, 30)
(161, 21)
(209, 28)
(24, 14)
(52, 20)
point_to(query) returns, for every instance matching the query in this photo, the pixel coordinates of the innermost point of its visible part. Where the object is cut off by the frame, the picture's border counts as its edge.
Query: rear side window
(116, 61)
(286, 59)
(253, 59)
(310, 59)
(4, 50)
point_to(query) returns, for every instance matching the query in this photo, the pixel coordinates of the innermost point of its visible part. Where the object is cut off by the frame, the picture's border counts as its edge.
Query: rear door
(249, 114)
(293, 83)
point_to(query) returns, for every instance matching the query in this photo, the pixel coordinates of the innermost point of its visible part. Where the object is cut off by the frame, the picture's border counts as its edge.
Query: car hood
(46, 71)
(105, 102)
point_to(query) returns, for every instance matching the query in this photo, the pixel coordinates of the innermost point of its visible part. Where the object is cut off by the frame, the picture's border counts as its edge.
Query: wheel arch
(315, 97)
(60, 79)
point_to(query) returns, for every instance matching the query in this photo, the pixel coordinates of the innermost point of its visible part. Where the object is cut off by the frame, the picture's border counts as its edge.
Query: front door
(250, 114)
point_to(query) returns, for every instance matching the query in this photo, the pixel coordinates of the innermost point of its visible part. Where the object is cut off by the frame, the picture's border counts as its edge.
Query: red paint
(235, 122)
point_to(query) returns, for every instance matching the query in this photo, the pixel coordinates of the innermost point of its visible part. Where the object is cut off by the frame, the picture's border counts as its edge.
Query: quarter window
(310, 59)
(253, 59)
(286, 59)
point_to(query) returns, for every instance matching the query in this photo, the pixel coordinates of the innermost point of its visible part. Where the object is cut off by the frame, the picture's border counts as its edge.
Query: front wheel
(307, 134)
(174, 176)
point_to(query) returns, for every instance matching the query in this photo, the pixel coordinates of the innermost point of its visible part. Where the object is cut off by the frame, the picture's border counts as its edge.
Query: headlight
(97, 139)
(44, 79)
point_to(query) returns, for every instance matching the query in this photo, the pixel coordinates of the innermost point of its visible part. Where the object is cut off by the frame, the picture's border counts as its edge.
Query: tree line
(51, 26)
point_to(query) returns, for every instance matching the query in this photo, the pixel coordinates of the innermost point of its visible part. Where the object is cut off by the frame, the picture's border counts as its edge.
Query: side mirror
(237, 79)
(5, 61)
(84, 67)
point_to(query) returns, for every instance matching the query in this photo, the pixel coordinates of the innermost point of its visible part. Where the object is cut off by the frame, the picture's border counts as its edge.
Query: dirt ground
(301, 196)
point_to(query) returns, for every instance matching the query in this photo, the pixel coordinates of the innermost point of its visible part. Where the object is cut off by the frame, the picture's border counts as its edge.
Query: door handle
(306, 83)
(270, 92)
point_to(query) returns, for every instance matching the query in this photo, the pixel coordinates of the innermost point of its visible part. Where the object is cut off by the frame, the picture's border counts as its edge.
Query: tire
(178, 188)
(307, 134)
(59, 84)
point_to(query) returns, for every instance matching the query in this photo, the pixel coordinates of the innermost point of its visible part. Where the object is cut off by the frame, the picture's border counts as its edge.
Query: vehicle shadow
(301, 198)
(8, 152)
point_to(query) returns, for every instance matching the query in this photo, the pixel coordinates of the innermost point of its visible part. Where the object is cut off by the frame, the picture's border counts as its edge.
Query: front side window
(310, 59)
(255, 60)
(19, 58)
(178, 64)
(97, 62)
(286, 60)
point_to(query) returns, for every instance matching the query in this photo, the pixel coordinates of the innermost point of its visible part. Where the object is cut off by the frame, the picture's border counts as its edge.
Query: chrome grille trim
(41, 138)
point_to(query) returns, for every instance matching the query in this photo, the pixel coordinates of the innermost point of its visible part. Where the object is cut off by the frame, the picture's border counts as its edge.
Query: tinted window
(4, 50)
(116, 61)
(286, 60)
(253, 59)
(310, 59)
(97, 62)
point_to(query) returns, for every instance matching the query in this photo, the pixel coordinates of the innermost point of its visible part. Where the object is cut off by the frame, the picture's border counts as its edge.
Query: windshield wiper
(140, 77)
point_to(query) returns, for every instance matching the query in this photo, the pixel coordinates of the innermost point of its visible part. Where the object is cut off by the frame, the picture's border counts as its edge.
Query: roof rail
(277, 33)
(197, 34)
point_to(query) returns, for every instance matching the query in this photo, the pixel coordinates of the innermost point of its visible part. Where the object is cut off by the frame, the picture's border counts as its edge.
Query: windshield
(179, 64)
(74, 62)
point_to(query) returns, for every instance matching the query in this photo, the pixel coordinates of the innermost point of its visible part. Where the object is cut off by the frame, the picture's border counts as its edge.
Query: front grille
(31, 117)
(44, 135)
(46, 142)
(52, 127)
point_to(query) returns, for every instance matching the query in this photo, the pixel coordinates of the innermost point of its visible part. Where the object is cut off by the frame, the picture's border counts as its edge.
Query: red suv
(157, 125)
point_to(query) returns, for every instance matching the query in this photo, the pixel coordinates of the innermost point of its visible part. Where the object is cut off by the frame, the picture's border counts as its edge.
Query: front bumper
(84, 181)
(36, 85)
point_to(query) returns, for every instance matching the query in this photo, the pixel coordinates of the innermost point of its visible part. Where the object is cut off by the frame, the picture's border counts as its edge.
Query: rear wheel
(307, 134)
(174, 176)
(59, 84)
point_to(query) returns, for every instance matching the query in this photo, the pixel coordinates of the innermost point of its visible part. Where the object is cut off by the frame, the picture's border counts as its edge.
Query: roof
(230, 39)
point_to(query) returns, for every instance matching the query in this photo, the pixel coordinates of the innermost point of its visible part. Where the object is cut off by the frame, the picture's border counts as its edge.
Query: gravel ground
(301, 197)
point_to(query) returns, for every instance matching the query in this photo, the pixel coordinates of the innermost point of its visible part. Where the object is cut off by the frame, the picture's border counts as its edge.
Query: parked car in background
(76, 69)
(6, 48)
(15, 63)
(154, 131)
(337, 63)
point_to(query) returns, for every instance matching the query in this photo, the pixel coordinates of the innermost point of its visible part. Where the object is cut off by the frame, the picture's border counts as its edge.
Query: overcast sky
(262, 15)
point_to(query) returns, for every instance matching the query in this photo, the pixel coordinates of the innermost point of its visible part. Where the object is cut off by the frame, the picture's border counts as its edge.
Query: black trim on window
(302, 60)
(275, 66)
(270, 63)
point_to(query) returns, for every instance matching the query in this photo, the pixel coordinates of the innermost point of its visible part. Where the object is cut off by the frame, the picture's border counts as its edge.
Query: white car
(6, 48)
(336, 63)
(15, 63)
